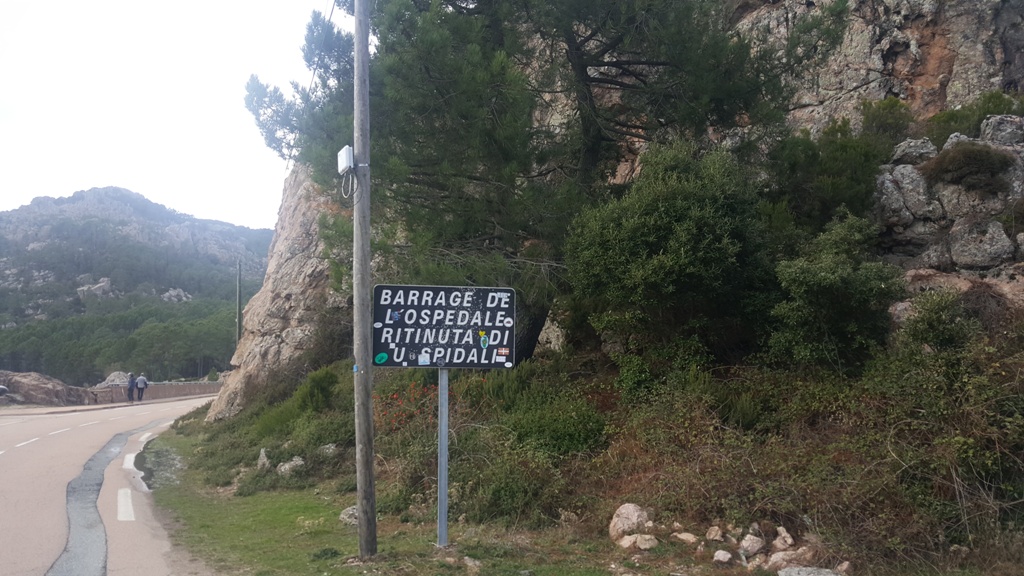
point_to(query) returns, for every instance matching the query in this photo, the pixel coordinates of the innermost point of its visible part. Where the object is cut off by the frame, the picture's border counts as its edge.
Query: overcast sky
(147, 96)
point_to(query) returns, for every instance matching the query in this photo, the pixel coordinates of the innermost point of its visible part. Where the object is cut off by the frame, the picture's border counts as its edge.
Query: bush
(972, 165)
(498, 479)
(939, 322)
(683, 253)
(559, 427)
(887, 120)
(967, 119)
(316, 394)
(816, 180)
(836, 313)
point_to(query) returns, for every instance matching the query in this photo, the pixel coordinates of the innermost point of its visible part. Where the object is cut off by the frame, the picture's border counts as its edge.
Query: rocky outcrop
(932, 55)
(33, 388)
(949, 224)
(278, 322)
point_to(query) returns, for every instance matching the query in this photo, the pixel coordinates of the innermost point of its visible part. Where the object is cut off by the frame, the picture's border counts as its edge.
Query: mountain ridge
(51, 248)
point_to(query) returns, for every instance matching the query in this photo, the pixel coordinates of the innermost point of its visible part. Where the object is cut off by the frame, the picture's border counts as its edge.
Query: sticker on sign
(443, 326)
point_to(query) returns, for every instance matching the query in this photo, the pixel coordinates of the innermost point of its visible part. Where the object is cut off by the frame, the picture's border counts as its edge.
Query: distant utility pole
(362, 314)
(238, 304)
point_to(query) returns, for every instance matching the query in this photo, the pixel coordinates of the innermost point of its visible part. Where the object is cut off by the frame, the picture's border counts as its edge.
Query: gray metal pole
(362, 314)
(238, 304)
(442, 458)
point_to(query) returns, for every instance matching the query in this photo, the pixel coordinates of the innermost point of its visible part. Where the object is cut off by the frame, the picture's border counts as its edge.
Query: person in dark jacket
(132, 384)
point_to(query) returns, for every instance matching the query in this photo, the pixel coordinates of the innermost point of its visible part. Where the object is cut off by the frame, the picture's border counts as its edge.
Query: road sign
(443, 326)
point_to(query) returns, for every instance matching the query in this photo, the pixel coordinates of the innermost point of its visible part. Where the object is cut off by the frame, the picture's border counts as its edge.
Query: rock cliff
(278, 322)
(931, 54)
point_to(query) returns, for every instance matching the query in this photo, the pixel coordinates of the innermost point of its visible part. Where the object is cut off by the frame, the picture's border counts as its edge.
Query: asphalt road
(71, 500)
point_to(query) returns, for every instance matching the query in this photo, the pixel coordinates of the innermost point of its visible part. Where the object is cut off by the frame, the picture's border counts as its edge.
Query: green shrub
(277, 421)
(316, 394)
(682, 254)
(887, 120)
(507, 389)
(817, 179)
(939, 322)
(972, 165)
(560, 426)
(836, 314)
(967, 119)
(517, 485)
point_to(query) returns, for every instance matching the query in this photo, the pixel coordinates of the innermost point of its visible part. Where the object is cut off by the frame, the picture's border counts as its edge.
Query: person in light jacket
(141, 384)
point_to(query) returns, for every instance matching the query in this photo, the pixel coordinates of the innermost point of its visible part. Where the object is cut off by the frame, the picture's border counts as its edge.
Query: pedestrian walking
(141, 384)
(132, 384)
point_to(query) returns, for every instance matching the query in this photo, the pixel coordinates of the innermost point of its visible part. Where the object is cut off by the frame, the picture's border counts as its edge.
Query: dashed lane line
(129, 461)
(25, 442)
(59, 431)
(125, 511)
(88, 423)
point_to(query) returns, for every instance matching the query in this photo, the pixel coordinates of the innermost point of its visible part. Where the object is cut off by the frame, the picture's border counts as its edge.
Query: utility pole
(238, 304)
(362, 315)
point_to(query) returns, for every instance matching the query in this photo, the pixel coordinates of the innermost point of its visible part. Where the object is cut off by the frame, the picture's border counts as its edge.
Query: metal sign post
(447, 327)
(442, 457)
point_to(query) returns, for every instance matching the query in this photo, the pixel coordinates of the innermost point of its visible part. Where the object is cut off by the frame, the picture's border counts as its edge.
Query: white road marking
(129, 461)
(147, 412)
(12, 422)
(165, 409)
(26, 442)
(59, 431)
(145, 436)
(88, 423)
(115, 418)
(125, 512)
(2, 451)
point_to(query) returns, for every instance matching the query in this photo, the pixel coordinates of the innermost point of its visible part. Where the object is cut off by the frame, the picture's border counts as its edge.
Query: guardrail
(156, 391)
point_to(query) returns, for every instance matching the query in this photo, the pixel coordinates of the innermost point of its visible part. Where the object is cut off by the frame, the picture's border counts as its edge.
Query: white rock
(646, 542)
(714, 534)
(800, 557)
(783, 541)
(626, 541)
(628, 518)
(685, 537)
(350, 516)
(751, 545)
(795, 571)
(722, 557)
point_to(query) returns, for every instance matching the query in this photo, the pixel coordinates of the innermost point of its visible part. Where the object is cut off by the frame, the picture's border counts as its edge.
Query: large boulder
(34, 388)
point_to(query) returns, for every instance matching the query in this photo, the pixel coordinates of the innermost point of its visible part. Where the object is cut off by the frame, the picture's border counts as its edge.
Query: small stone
(722, 557)
(646, 542)
(714, 534)
(349, 516)
(685, 537)
(627, 541)
(751, 545)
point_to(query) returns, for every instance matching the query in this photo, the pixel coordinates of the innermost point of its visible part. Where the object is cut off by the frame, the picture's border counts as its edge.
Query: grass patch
(298, 532)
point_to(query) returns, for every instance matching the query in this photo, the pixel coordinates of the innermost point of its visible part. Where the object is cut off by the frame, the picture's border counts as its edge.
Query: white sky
(148, 96)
